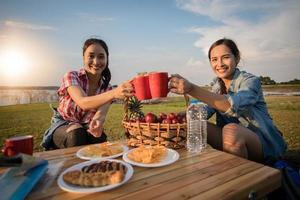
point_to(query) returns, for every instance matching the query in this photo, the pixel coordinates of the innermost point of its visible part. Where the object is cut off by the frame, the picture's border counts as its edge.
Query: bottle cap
(194, 101)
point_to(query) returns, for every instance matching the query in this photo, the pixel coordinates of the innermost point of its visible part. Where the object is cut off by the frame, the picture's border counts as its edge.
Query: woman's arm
(97, 123)
(102, 112)
(94, 102)
(217, 101)
(180, 85)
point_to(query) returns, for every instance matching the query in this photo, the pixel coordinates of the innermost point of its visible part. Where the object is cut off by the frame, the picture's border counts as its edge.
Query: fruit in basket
(135, 109)
(172, 116)
(163, 115)
(150, 118)
(182, 120)
(175, 121)
(167, 121)
(181, 116)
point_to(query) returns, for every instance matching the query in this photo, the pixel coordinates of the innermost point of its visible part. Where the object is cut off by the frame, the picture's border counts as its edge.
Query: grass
(282, 88)
(34, 119)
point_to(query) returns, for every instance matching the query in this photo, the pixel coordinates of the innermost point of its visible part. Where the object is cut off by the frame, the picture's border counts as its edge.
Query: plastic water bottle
(196, 127)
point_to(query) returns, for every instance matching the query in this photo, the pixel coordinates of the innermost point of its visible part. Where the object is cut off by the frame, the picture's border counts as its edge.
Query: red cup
(141, 87)
(20, 144)
(158, 84)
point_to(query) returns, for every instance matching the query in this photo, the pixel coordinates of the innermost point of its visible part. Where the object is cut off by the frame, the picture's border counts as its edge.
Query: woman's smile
(222, 69)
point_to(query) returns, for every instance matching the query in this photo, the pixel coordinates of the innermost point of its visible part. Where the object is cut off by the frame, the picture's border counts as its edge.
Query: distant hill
(29, 87)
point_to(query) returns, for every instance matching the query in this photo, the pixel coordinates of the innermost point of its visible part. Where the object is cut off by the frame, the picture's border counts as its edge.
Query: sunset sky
(41, 40)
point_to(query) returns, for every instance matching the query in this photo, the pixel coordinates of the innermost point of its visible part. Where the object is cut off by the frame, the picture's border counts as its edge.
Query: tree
(265, 80)
(295, 81)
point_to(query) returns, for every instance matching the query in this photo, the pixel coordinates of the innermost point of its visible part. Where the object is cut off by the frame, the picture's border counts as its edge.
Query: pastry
(102, 150)
(97, 174)
(148, 154)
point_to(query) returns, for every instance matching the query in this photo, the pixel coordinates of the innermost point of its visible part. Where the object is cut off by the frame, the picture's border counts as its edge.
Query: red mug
(158, 84)
(19, 144)
(141, 87)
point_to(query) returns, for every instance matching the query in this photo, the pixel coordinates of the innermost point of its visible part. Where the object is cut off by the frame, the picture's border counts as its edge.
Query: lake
(26, 96)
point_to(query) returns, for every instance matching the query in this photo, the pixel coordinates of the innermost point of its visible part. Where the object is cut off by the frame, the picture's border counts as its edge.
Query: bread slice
(97, 174)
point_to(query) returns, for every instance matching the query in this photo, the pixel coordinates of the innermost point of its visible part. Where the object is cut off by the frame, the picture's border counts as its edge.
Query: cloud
(270, 36)
(23, 25)
(221, 10)
(94, 18)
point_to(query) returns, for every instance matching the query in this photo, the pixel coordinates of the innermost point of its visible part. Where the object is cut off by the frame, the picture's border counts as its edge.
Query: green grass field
(35, 119)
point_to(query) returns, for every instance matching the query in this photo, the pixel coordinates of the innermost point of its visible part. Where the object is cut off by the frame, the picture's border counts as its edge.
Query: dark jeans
(76, 137)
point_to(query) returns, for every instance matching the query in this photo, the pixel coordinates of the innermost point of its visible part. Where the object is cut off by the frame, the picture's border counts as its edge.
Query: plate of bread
(151, 156)
(95, 176)
(102, 150)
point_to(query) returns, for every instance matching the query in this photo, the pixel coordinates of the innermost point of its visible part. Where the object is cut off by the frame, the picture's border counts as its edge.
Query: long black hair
(106, 75)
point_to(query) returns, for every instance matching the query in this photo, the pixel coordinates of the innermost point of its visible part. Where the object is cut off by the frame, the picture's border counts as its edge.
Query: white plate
(81, 155)
(172, 156)
(79, 189)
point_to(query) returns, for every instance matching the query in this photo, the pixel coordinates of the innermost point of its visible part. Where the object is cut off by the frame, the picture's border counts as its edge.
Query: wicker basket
(169, 135)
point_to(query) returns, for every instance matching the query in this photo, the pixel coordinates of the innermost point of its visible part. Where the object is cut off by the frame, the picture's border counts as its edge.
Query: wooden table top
(210, 175)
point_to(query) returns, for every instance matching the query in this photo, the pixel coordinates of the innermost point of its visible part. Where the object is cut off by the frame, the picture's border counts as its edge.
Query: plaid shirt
(67, 108)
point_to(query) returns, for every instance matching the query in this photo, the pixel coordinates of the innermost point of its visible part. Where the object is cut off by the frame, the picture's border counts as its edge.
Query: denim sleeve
(209, 111)
(246, 95)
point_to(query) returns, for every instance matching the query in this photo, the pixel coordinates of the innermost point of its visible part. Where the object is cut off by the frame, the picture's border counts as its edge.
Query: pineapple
(134, 107)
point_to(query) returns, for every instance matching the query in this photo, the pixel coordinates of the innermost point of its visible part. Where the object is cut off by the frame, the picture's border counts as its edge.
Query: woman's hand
(124, 90)
(95, 128)
(179, 85)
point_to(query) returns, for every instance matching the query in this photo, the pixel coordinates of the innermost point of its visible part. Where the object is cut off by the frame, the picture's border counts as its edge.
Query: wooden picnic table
(212, 174)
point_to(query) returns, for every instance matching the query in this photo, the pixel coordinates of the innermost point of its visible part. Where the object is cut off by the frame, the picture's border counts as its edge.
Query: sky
(41, 40)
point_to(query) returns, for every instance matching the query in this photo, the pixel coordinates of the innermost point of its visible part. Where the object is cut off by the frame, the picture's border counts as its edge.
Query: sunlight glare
(13, 63)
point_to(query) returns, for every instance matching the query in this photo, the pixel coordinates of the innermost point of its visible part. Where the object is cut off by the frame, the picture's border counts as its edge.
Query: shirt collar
(236, 73)
(234, 78)
(82, 72)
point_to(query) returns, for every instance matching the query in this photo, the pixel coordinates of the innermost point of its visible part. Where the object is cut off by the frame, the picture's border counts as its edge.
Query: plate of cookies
(102, 150)
(151, 156)
(95, 176)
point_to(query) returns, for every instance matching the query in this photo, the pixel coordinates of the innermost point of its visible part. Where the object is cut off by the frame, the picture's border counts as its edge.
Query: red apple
(181, 116)
(150, 118)
(179, 119)
(163, 115)
(171, 116)
(167, 121)
(175, 121)
(159, 120)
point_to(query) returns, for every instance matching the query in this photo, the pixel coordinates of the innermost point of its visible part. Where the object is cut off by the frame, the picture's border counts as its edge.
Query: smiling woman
(13, 63)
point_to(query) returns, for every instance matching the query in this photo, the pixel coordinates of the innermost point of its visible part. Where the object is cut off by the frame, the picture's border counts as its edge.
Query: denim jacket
(56, 122)
(249, 109)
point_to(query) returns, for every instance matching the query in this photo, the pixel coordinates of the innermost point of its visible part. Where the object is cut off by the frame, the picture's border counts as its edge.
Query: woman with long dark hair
(84, 99)
(243, 125)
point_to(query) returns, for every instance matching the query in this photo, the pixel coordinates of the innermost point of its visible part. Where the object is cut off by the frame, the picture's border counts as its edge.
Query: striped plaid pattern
(68, 109)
